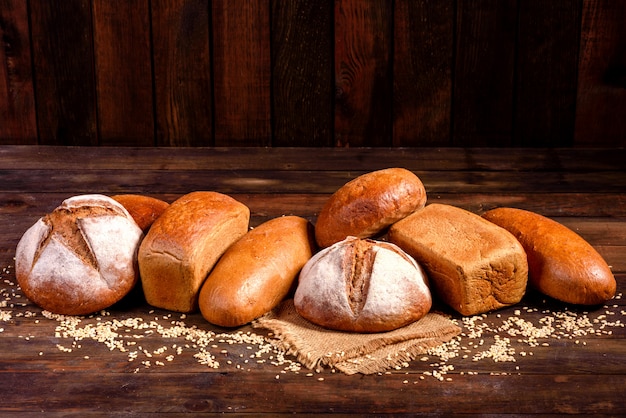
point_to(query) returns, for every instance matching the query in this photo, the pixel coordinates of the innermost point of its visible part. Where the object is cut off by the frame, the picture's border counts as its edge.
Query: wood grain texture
(305, 73)
(302, 76)
(123, 72)
(64, 72)
(363, 73)
(483, 73)
(422, 72)
(242, 61)
(601, 93)
(488, 160)
(151, 363)
(18, 124)
(182, 73)
(546, 73)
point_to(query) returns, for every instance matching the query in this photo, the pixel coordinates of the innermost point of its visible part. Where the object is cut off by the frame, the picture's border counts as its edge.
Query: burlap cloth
(352, 353)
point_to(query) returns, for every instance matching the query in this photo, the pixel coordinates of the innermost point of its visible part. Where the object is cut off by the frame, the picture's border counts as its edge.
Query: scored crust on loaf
(473, 267)
(81, 257)
(362, 285)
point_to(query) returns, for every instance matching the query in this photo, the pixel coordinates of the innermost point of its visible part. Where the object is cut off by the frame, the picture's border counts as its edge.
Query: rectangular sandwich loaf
(473, 265)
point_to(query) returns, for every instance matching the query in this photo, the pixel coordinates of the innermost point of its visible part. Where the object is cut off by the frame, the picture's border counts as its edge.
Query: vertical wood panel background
(422, 72)
(122, 43)
(62, 39)
(546, 70)
(483, 72)
(302, 72)
(17, 97)
(601, 116)
(241, 62)
(363, 69)
(526, 73)
(182, 72)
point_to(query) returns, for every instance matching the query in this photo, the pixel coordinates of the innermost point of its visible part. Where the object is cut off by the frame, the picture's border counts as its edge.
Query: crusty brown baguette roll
(561, 263)
(362, 285)
(257, 272)
(368, 204)
(474, 266)
(143, 209)
(183, 245)
(81, 257)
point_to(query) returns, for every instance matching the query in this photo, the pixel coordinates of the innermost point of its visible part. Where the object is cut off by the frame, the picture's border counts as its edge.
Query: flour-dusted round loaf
(257, 272)
(81, 257)
(561, 263)
(368, 204)
(143, 209)
(362, 285)
(183, 245)
(473, 265)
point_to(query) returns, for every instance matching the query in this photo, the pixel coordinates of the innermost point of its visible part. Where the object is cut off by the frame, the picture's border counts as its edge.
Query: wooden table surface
(133, 359)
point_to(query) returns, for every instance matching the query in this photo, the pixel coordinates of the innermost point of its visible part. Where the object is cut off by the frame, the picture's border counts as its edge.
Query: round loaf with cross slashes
(362, 285)
(81, 257)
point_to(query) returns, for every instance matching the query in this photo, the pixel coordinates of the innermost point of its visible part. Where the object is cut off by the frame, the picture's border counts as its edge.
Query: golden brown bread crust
(257, 272)
(561, 263)
(474, 266)
(143, 209)
(362, 285)
(183, 245)
(81, 257)
(368, 204)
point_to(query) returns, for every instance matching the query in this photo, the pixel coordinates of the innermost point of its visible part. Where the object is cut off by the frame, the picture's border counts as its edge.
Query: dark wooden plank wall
(502, 73)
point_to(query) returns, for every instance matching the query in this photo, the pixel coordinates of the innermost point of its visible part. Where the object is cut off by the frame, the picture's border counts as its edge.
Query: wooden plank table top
(540, 357)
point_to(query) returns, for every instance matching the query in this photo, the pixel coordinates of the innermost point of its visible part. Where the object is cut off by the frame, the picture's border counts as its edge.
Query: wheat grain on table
(539, 357)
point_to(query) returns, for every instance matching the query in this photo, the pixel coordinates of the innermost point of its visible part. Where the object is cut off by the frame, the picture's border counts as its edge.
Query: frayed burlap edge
(315, 347)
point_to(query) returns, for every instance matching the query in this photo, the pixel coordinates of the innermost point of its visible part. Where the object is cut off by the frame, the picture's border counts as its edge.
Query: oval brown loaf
(257, 272)
(474, 266)
(362, 285)
(81, 257)
(561, 263)
(183, 245)
(368, 204)
(143, 209)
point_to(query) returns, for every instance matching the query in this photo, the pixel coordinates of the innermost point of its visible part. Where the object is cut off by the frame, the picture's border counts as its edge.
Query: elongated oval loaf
(561, 263)
(368, 204)
(257, 272)
(143, 209)
(183, 245)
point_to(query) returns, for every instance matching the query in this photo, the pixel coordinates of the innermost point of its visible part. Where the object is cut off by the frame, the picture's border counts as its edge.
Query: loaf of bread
(474, 266)
(368, 204)
(561, 263)
(183, 245)
(257, 272)
(143, 209)
(81, 257)
(362, 285)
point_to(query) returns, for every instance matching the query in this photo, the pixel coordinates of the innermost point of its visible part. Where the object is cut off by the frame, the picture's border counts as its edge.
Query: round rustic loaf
(368, 204)
(362, 285)
(81, 257)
